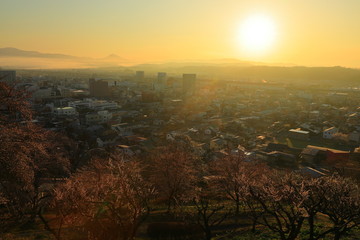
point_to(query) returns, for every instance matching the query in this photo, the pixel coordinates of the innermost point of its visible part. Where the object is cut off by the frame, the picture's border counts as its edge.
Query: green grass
(234, 228)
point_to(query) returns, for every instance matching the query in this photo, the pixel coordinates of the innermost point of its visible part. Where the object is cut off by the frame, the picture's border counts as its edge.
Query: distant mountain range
(213, 69)
(17, 58)
(14, 52)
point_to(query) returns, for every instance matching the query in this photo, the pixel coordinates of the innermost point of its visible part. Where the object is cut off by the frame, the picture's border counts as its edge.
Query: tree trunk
(237, 203)
(337, 235)
(208, 234)
(311, 227)
(296, 229)
(253, 228)
(169, 205)
(56, 234)
(237, 211)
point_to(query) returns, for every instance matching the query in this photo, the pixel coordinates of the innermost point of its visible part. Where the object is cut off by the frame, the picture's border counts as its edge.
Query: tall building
(7, 76)
(139, 76)
(160, 82)
(99, 88)
(161, 77)
(189, 82)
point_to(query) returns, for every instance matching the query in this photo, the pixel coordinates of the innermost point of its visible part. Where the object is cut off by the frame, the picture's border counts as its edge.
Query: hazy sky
(309, 32)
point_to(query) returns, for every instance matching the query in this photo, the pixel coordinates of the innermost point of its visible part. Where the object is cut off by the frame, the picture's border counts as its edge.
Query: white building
(77, 104)
(98, 118)
(43, 93)
(94, 104)
(92, 118)
(299, 134)
(67, 111)
(102, 105)
(330, 132)
(105, 115)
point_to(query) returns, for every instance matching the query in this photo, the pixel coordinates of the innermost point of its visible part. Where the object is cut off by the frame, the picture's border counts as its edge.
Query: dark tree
(281, 198)
(341, 203)
(232, 176)
(173, 170)
(209, 211)
(109, 200)
(28, 155)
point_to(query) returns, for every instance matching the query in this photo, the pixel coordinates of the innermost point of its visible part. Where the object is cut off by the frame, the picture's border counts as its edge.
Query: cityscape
(181, 136)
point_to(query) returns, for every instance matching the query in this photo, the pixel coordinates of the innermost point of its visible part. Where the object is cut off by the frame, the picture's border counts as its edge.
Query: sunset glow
(320, 33)
(257, 33)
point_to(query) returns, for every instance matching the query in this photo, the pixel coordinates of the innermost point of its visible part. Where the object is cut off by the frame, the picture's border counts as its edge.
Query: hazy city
(179, 120)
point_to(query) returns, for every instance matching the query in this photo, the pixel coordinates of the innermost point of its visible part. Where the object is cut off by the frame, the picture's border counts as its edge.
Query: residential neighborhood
(287, 125)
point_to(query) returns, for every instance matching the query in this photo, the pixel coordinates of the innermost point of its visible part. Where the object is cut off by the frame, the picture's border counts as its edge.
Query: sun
(257, 33)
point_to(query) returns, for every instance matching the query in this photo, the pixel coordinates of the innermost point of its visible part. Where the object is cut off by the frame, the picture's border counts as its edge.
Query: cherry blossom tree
(174, 171)
(28, 154)
(107, 200)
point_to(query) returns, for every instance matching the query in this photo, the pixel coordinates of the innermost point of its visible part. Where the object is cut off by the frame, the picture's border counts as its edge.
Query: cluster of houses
(214, 119)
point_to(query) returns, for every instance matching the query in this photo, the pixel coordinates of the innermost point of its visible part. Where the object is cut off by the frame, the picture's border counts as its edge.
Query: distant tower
(99, 88)
(139, 76)
(189, 81)
(161, 77)
(160, 82)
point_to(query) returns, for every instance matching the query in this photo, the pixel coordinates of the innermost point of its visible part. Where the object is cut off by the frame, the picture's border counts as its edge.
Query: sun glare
(257, 33)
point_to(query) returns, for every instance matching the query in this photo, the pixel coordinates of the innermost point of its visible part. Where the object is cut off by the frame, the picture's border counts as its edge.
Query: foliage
(107, 200)
(174, 172)
(28, 154)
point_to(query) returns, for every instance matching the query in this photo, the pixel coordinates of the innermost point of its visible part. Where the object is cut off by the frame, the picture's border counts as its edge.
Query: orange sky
(314, 33)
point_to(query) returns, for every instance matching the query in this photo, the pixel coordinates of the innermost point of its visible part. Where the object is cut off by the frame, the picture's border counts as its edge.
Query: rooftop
(297, 130)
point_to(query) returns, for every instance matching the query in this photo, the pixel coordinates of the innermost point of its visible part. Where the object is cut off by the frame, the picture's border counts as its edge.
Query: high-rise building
(7, 76)
(189, 82)
(99, 88)
(139, 76)
(160, 82)
(161, 77)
